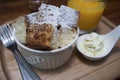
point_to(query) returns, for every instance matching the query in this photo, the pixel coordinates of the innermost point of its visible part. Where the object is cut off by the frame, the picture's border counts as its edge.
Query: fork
(8, 41)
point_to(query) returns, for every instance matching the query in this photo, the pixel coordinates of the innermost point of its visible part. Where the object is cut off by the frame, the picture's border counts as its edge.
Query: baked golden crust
(50, 28)
(39, 36)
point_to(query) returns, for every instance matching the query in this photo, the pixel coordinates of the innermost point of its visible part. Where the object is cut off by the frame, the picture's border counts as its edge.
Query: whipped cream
(92, 45)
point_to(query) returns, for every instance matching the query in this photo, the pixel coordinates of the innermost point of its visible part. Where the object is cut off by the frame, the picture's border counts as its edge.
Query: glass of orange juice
(90, 13)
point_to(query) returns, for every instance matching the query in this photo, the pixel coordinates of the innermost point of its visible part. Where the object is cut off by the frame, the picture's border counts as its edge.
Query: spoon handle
(113, 36)
(115, 33)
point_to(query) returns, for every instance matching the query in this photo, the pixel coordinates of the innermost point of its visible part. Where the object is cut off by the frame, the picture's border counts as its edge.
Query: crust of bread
(39, 36)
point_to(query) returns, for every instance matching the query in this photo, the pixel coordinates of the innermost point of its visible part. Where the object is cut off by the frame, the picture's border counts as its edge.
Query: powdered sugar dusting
(31, 18)
(68, 16)
(63, 16)
(48, 14)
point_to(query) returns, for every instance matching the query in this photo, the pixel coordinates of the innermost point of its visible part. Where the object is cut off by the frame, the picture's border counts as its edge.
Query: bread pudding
(49, 28)
(39, 36)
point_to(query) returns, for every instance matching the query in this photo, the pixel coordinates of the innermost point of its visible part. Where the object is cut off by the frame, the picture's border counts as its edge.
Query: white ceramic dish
(47, 59)
(89, 57)
(109, 40)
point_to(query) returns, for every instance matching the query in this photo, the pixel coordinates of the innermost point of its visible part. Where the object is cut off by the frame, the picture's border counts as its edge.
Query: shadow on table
(90, 62)
(117, 78)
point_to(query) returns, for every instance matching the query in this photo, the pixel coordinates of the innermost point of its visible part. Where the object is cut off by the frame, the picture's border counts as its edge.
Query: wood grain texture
(77, 67)
(2, 74)
(112, 11)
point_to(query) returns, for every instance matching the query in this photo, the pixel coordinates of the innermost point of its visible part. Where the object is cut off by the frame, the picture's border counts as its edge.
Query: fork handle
(23, 72)
(25, 69)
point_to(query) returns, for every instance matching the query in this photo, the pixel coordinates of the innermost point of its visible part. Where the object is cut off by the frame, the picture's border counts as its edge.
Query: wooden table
(77, 68)
(112, 11)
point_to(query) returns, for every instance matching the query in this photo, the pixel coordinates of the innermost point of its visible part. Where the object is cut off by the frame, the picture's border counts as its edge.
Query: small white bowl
(79, 47)
(47, 59)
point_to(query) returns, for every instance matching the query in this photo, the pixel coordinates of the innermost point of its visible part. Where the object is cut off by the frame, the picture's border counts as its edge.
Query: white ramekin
(47, 59)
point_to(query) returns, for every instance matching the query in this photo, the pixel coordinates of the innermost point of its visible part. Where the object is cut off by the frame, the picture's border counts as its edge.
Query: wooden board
(77, 68)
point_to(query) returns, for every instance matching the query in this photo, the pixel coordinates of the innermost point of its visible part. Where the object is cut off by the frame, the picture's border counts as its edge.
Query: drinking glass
(90, 13)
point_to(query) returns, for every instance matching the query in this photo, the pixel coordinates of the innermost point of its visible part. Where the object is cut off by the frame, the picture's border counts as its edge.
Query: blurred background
(112, 11)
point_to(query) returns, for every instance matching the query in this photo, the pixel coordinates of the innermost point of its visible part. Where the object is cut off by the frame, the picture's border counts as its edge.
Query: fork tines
(6, 34)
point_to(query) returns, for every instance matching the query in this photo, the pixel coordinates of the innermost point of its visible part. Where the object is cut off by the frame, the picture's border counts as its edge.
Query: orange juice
(90, 12)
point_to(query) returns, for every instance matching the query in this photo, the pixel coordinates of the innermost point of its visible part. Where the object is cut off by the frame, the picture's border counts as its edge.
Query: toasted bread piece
(48, 14)
(39, 36)
(68, 17)
(66, 36)
(20, 28)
